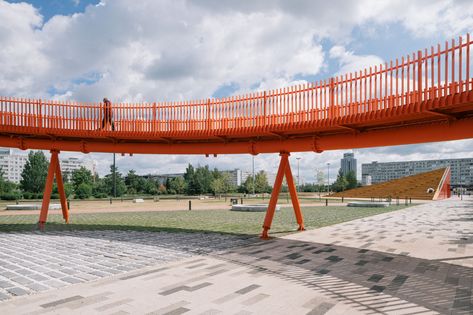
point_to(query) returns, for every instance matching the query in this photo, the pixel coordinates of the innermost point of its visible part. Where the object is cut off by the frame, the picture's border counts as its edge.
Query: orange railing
(425, 75)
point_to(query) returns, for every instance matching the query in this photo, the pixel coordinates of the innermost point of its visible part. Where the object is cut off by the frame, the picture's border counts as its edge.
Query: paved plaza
(413, 261)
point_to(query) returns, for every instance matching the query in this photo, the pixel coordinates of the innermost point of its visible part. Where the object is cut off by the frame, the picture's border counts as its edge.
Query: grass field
(222, 221)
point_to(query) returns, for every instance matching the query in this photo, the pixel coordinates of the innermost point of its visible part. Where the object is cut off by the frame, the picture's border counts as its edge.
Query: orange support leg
(274, 195)
(294, 198)
(48, 188)
(62, 194)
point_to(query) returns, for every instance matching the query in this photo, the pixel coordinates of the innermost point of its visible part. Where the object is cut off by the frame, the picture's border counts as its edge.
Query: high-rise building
(235, 176)
(12, 165)
(461, 170)
(348, 164)
(69, 165)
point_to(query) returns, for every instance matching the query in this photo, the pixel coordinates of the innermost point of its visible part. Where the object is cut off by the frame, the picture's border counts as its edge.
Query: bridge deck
(430, 93)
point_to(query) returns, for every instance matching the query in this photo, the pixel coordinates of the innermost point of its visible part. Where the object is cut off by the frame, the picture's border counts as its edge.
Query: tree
(120, 183)
(248, 185)
(33, 176)
(134, 183)
(99, 188)
(341, 183)
(261, 183)
(5, 185)
(319, 178)
(81, 176)
(222, 184)
(202, 180)
(198, 180)
(189, 178)
(8, 190)
(351, 180)
(161, 189)
(83, 191)
(150, 187)
(176, 185)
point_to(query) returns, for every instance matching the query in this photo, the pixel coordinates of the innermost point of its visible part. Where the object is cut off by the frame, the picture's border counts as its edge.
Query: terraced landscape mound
(422, 186)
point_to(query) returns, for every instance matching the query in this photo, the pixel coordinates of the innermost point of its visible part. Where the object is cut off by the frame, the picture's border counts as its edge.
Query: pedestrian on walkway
(107, 114)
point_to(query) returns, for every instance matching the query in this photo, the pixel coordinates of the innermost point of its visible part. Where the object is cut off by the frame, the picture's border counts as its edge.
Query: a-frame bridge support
(284, 170)
(54, 169)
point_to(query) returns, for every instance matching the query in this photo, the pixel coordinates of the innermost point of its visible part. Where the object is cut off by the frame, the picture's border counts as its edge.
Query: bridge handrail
(419, 77)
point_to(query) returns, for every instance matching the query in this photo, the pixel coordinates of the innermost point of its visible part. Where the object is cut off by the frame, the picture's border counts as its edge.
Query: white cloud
(349, 62)
(174, 50)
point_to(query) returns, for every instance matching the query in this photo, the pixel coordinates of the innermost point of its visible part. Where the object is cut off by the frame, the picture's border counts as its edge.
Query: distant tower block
(348, 163)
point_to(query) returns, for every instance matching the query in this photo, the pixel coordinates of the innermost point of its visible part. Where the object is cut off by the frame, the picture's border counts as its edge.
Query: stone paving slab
(179, 289)
(440, 230)
(34, 262)
(358, 267)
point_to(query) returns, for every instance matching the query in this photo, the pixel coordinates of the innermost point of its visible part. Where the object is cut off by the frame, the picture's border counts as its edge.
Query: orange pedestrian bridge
(422, 97)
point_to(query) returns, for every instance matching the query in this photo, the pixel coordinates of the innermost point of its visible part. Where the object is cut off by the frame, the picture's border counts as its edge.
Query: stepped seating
(414, 187)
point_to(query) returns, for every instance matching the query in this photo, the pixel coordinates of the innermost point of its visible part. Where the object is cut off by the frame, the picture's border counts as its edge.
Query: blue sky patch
(50, 8)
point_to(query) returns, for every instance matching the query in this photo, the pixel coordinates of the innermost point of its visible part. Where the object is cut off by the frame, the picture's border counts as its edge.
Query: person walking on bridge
(107, 114)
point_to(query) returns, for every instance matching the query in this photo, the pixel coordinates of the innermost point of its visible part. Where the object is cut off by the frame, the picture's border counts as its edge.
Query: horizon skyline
(334, 166)
(74, 51)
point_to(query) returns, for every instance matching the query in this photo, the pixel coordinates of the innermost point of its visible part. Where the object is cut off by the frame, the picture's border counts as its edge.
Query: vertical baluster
(432, 78)
(408, 100)
(365, 90)
(467, 62)
(425, 70)
(355, 94)
(460, 61)
(439, 71)
(376, 74)
(453, 67)
(446, 70)
(385, 96)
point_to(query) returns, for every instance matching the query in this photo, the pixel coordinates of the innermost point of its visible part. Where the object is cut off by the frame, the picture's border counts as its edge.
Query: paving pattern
(33, 262)
(413, 261)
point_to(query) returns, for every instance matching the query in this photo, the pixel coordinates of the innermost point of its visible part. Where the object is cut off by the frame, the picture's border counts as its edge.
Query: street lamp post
(328, 178)
(114, 178)
(254, 184)
(298, 186)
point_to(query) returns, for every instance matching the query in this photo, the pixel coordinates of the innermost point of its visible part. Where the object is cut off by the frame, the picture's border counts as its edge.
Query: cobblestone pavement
(32, 262)
(376, 265)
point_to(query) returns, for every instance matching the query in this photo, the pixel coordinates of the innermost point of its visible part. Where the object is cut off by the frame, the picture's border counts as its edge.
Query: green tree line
(82, 184)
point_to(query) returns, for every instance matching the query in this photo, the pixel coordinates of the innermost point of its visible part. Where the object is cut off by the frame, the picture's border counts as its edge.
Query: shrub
(83, 191)
(10, 196)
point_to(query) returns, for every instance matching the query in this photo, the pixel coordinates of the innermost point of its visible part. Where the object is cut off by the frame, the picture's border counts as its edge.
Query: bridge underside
(428, 126)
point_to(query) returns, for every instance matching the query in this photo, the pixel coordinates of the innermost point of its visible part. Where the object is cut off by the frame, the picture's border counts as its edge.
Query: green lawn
(222, 221)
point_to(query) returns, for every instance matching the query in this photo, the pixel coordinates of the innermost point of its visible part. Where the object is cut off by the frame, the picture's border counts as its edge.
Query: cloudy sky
(153, 50)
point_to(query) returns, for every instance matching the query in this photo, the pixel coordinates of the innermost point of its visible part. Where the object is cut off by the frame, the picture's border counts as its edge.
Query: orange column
(294, 198)
(60, 188)
(43, 216)
(274, 195)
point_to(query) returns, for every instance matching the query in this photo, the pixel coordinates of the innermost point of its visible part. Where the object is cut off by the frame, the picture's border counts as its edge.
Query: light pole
(328, 178)
(254, 183)
(298, 187)
(114, 178)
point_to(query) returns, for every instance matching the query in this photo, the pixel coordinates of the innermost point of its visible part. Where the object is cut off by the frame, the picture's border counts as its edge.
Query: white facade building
(69, 165)
(235, 176)
(462, 170)
(12, 165)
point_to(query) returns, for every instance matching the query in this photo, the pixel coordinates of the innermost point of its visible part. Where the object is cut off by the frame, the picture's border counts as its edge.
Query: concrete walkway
(414, 261)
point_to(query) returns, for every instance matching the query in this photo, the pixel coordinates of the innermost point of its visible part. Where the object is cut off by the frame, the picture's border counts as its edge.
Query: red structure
(444, 191)
(423, 97)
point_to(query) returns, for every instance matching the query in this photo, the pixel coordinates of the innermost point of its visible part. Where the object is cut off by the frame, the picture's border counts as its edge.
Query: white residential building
(462, 170)
(12, 164)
